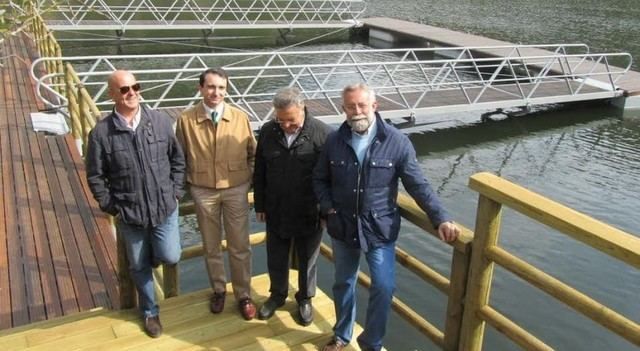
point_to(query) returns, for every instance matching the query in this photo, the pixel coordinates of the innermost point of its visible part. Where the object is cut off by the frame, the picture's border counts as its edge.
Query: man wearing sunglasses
(135, 169)
(220, 148)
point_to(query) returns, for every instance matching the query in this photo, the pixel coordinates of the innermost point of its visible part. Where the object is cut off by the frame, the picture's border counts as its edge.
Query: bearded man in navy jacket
(356, 183)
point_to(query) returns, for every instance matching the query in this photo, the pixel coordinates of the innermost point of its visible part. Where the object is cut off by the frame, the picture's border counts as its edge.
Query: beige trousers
(230, 207)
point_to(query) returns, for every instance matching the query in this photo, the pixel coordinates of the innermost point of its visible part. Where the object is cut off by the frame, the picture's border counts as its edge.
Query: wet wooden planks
(57, 250)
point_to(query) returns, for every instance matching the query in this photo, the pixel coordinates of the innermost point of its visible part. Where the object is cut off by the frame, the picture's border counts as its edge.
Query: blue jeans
(160, 244)
(381, 263)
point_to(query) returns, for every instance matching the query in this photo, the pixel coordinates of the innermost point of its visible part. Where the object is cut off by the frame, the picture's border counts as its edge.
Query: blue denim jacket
(365, 198)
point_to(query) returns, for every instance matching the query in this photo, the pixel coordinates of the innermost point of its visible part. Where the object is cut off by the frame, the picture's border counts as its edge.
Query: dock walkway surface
(57, 249)
(188, 325)
(630, 82)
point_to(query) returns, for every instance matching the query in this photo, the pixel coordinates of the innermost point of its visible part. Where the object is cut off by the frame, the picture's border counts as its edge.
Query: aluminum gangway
(198, 14)
(419, 84)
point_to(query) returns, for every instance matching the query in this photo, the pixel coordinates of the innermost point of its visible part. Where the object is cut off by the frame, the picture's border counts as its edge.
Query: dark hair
(215, 71)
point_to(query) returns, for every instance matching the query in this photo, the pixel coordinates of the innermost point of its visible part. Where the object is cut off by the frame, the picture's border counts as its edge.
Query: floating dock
(395, 31)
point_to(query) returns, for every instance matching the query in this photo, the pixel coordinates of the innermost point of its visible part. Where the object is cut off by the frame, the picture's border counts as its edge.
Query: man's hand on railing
(448, 231)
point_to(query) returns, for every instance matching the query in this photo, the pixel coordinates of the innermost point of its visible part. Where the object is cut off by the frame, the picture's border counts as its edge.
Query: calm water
(587, 158)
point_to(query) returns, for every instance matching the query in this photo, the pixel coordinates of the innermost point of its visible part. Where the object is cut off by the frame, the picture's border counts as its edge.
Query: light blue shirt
(360, 142)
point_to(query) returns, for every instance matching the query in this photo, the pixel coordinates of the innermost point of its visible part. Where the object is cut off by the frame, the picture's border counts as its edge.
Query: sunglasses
(125, 89)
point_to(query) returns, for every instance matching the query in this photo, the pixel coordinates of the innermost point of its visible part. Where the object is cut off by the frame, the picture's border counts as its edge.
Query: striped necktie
(214, 117)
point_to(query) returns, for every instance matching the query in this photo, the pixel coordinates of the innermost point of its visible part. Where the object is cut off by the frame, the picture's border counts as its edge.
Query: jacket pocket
(236, 166)
(127, 208)
(169, 196)
(119, 156)
(386, 223)
(338, 169)
(158, 148)
(381, 172)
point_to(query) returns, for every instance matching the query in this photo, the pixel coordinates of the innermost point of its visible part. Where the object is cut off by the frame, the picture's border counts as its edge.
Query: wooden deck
(57, 250)
(188, 325)
(630, 82)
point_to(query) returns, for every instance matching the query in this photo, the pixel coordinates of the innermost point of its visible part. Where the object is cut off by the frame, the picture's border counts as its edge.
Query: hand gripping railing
(211, 14)
(407, 81)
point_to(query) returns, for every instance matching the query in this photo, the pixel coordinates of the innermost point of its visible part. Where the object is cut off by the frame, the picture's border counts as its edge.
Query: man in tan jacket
(219, 147)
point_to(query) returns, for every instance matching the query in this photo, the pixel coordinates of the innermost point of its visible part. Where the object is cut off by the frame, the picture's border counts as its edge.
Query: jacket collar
(119, 126)
(345, 130)
(201, 114)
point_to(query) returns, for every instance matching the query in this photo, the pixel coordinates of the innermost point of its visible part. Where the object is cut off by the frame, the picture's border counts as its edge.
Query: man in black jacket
(135, 169)
(288, 148)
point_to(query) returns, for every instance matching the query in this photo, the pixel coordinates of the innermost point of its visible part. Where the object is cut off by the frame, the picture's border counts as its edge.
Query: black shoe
(269, 308)
(305, 310)
(152, 326)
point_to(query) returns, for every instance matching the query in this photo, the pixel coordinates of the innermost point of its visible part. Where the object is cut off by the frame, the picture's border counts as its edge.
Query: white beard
(360, 123)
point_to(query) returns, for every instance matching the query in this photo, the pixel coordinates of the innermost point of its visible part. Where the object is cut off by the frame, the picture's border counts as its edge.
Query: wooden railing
(82, 110)
(496, 192)
(47, 46)
(168, 286)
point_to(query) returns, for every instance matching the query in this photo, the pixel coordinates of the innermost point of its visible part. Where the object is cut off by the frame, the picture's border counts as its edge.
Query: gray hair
(288, 96)
(359, 86)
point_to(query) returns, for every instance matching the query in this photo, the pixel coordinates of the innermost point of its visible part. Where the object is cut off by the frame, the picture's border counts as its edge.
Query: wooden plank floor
(57, 250)
(188, 325)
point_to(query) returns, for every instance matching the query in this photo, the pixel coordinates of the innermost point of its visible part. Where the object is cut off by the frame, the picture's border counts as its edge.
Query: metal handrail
(393, 73)
(278, 13)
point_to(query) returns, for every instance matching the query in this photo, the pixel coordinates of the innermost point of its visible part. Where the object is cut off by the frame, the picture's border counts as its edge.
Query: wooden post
(170, 283)
(38, 34)
(481, 273)
(127, 289)
(60, 71)
(455, 304)
(72, 98)
(82, 119)
(88, 114)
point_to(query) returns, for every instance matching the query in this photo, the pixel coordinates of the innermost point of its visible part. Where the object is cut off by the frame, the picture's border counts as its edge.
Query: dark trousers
(306, 248)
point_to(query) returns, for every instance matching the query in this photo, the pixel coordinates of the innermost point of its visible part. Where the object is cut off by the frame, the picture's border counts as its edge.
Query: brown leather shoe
(152, 326)
(247, 308)
(216, 304)
(334, 345)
